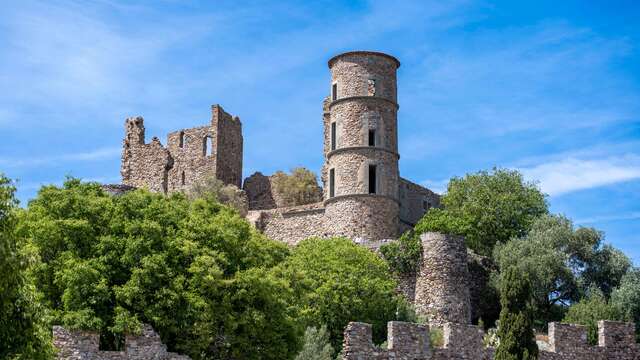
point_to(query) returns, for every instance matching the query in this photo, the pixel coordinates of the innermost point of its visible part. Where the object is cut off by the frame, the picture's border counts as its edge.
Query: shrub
(298, 188)
(316, 345)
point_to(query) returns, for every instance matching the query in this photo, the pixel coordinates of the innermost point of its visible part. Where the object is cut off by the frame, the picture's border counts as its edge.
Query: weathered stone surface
(190, 154)
(415, 201)
(83, 345)
(461, 341)
(442, 284)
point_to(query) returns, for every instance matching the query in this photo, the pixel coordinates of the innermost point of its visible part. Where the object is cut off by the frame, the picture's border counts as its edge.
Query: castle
(364, 199)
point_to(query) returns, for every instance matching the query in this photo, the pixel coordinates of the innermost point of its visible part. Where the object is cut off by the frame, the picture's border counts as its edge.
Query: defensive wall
(84, 345)
(408, 341)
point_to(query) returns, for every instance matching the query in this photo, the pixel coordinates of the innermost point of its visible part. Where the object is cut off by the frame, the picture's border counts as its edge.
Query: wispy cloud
(573, 174)
(609, 218)
(92, 155)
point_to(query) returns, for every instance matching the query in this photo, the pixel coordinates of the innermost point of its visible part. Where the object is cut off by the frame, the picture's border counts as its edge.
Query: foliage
(626, 298)
(515, 332)
(316, 345)
(404, 254)
(298, 188)
(211, 187)
(436, 337)
(487, 208)
(337, 281)
(589, 311)
(560, 262)
(194, 270)
(24, 333)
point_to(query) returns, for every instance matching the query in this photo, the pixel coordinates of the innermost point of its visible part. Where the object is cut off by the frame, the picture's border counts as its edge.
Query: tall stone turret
(360, 171)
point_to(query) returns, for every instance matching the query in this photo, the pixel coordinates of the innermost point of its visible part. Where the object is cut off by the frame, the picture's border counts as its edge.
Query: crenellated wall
(407, 341)
(84, 345)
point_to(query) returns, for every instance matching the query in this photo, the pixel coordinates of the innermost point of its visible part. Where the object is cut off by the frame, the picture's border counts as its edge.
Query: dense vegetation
(215, 288)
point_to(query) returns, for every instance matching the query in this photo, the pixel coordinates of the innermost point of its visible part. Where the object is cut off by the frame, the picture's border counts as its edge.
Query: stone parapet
(84, 345)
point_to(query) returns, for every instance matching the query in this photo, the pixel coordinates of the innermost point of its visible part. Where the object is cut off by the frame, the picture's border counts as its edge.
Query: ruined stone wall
(442, 283)
(228, 146)
(190, 154)
(408, 341)
(143, 165)
(83, 345)
(292, 224)
(259, 189)
(415, 201)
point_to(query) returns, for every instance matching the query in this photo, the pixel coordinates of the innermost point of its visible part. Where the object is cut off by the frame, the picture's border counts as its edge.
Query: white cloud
(608, 218)
(573, 174)
(92, 155)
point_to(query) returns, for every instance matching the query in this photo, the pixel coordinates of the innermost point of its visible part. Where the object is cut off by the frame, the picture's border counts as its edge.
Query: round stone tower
(361, 147)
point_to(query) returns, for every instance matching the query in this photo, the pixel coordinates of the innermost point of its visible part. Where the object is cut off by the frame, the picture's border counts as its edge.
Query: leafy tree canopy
(316, 345)
(337, 281)
(562, 263)
(487, 208)
(589, 311)
(24, 333)
(194, 270)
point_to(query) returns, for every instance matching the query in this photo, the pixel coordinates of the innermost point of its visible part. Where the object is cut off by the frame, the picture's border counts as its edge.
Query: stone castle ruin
(364, 199)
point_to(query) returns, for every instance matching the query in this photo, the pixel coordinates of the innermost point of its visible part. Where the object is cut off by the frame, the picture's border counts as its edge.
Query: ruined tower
(361, 147)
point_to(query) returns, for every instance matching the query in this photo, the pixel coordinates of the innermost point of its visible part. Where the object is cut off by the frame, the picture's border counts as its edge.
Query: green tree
(589, 311)
(316, 345)
(337, 281)
(515, 332)
(626, 298)
(211, 187)
(24, 333)
(487, 208)
(562, 263)
(298, 188)
(194, 270)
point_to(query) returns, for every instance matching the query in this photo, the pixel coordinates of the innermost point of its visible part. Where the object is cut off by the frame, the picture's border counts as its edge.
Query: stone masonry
(190, 154)
(407, 341)
(84, 345)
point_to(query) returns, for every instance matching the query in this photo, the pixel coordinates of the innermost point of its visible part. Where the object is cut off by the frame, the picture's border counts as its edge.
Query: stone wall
(190, 154)
(363, 218)
(415, 201)
(292, 224)
(442, 283)
(407, 341)
(83, 345)
(260, 192)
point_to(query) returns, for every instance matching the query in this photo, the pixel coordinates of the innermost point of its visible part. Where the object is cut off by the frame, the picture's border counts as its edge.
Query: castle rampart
(84, 345)
(409, 341)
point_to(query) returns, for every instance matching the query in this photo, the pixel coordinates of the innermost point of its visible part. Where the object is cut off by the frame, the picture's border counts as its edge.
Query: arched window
(207, 146)
(181, 139)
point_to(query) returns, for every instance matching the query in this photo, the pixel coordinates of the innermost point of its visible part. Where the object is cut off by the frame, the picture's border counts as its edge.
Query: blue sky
(550, 88)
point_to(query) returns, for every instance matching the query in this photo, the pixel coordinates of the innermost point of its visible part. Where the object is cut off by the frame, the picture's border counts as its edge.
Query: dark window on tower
(332, 183)
(334, 92)
(182, 178)
(372, 137)
(333, 136)
(181, 139)
(425, 205)
(372, 179)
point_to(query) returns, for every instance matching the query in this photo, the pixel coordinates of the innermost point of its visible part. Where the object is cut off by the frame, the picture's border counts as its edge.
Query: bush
(589, 311)
(316, 345)
(210, 187)
(194, 270)
(404, 254)
(24, 333)
(337, 281)
(299, 188)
